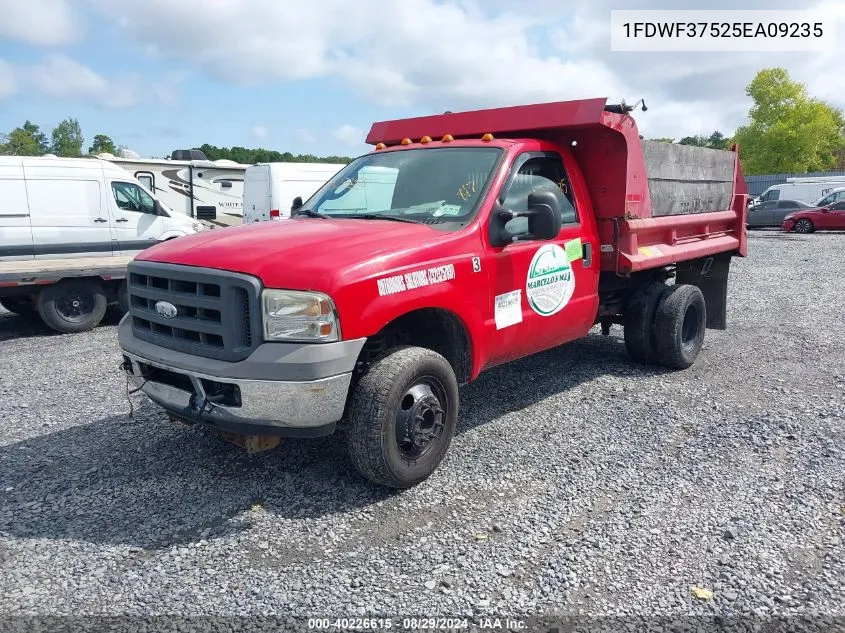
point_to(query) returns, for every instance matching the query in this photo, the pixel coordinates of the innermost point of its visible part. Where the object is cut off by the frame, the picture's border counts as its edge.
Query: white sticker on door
(551, 280)
(508, 310)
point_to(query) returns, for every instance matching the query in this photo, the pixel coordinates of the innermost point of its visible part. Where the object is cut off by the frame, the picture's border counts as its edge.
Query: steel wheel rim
(74, 306)
(421, 417)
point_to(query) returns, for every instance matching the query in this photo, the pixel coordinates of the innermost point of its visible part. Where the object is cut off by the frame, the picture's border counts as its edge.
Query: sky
(311, 77)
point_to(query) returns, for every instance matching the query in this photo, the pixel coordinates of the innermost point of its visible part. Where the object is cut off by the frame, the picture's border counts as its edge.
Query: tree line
(788, 131)
(67, 140)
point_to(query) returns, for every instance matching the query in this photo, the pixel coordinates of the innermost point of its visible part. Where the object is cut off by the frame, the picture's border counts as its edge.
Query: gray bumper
(263, 394)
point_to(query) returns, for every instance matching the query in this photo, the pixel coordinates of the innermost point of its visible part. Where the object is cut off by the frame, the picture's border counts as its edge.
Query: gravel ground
(579, 483)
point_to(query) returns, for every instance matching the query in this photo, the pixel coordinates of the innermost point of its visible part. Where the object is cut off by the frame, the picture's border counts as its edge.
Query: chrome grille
(216, 316)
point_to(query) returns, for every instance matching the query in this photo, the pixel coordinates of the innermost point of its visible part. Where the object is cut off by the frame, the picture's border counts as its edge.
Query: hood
(292, 253)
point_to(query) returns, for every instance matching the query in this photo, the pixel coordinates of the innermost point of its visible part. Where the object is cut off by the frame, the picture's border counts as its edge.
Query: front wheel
(402, 417)
(803, 226)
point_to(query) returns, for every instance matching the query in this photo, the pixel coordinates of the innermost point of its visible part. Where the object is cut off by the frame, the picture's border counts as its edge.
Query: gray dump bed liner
(684, 179)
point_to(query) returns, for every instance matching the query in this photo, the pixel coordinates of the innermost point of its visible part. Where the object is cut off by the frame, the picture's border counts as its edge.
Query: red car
(829, 218)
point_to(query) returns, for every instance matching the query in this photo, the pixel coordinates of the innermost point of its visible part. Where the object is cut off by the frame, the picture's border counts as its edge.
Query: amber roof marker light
(380, 146)
(425, 139)
(406, 141)
(448, 138)
(487, 137)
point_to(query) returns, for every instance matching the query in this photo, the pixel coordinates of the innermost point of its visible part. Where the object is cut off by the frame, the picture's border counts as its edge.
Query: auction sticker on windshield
(551, 280)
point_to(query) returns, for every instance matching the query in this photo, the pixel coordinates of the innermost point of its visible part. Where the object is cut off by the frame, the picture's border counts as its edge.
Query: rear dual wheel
(666, 325)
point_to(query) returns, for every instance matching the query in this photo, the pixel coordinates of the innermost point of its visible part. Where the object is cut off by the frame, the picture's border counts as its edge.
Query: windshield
(438, 185)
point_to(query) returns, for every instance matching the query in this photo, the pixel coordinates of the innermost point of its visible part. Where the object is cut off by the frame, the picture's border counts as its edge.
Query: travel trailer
(270, 188)
(210, 191)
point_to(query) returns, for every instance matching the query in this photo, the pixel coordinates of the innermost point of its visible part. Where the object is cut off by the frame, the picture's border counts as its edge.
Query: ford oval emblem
(166, 309)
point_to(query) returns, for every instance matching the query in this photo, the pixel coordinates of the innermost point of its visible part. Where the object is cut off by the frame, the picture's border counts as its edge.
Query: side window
(147, 179)
(539, 173)
(130, 197)
(786, 204)
(839, 206)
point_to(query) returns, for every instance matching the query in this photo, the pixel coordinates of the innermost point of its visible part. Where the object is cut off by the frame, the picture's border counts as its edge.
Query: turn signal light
(425, 139)
(448, 138)
(380, 146)
(487, 137)
(406, 141)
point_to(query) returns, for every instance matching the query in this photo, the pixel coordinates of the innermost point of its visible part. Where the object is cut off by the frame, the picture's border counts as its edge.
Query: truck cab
(423, 263)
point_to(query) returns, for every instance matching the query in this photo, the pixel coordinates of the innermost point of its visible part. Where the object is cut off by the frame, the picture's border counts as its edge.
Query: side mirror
(297, 204)
(544, 219)
(543, 216)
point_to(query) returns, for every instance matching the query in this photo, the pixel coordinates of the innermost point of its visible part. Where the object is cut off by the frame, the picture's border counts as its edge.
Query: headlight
(789, 217)
(197, 227)
(292, 315)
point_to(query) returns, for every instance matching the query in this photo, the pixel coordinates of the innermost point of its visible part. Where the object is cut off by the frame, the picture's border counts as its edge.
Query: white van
(809, 192)
(270, 188)
(837, 195)
(79, 207)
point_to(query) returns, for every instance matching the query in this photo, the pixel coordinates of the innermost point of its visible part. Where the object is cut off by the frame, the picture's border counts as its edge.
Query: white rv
(270, 188)
(211, 191)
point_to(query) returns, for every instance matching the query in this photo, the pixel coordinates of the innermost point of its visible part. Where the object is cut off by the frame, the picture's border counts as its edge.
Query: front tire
(72, 305)
(679, 326)
(803, 225)
(402, 417)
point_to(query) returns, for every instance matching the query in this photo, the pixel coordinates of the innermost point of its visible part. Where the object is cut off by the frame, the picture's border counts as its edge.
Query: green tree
(249, 156)
(788, 131)
(67, 138)
(27, 140)
(102, 143)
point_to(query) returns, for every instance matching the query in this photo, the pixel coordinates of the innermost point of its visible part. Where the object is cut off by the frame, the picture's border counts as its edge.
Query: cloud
(60, 77)
(433, 55)
(8, 80)
(258, 132)
(41, 22)
(349, 135)
(305, 136)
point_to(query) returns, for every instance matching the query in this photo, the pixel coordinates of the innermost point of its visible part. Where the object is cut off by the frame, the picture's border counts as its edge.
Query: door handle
(100, 220)
(588, 254)
(121, 220)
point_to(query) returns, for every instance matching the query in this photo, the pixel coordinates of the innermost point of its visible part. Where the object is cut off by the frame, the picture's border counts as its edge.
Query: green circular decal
(551, 280)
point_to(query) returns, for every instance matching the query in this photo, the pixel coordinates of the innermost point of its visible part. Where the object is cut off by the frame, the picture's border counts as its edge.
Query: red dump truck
(460, 242)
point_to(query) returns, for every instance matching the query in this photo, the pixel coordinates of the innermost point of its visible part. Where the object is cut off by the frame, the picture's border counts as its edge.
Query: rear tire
(402, 417)
(639, 321)
(679, 326)
(22, 306)
(73, 305)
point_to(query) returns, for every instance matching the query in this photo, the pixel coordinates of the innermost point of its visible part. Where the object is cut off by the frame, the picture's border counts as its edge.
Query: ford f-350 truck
(460, 242)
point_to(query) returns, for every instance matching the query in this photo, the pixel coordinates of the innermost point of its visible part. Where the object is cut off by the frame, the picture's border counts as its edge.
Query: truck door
(543, 292)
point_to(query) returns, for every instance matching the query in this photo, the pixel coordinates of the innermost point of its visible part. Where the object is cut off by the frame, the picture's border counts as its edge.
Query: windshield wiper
(311, 214)
(379, 216)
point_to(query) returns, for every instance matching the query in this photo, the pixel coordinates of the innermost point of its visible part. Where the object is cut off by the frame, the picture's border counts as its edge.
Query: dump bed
(655, 203)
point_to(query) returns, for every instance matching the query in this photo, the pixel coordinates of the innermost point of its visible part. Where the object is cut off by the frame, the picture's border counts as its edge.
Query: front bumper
(261, 395)
(787, 225)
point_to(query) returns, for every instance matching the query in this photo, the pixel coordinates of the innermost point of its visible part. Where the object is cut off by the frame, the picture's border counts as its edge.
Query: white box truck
(270, 188)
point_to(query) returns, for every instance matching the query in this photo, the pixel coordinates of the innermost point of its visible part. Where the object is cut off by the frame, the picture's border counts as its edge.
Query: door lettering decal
(551, 280)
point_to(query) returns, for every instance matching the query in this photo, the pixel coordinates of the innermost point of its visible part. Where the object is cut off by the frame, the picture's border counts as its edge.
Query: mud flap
(710, 274)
